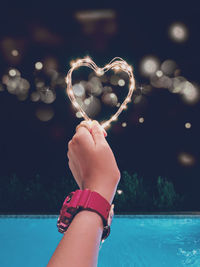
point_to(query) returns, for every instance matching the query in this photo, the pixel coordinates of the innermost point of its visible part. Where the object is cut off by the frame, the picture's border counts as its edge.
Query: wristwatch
(85, 200)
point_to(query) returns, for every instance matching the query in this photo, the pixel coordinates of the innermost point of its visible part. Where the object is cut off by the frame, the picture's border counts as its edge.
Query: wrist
(91, 216)
(107, 193)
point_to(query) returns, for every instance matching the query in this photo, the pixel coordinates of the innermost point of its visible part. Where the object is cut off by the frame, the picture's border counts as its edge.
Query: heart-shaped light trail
(117, 64)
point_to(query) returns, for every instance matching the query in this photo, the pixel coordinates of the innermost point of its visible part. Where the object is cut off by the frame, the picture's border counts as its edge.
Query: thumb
(97, 132)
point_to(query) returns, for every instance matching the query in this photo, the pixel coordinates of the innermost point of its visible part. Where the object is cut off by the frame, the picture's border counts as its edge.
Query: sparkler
(117, 64)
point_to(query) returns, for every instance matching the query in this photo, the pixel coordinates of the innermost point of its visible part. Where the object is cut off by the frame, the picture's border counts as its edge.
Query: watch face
(111, 214)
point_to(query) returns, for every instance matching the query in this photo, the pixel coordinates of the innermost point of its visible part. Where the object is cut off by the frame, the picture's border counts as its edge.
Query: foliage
(136, 195)
(167, 198)
(41, 194)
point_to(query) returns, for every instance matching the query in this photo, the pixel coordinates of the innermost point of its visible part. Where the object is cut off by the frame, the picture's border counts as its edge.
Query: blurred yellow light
(159, 73)
(12, 72)
(190, 93)
(90, 15)
(188, 125)
(78, 114)
(178, 32)
(124, 124)
(121, 82)
(141, 119)
(100, 72)
(186, 159)
(149, 65)
(44, 113)
(14, 53)
(38, 65)
(87, 101)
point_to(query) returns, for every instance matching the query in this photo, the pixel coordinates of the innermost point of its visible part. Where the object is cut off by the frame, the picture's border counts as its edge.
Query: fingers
(84, 124)
(89, 133)
(88, 126)
(83, 137)
(97, 133)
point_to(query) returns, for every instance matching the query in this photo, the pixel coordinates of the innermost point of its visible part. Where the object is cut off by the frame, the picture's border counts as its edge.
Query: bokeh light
(161, 81)
(168, 67)
(188, 125)
(178, 32)
(141, 120)
(159, 73)
(149, 65)
(35, 96)
(38, 65)
(190, 93)
(78, 90)
(110, 99)
(186, 159)
(44, 113)
(47, 96)
(78, 114)
(14, 53)
(121, 82)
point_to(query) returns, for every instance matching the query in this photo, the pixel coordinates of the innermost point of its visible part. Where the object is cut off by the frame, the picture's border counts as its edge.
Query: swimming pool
(135, 241)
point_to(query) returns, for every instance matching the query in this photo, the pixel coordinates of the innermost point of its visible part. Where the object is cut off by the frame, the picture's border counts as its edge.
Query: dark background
(29, 147)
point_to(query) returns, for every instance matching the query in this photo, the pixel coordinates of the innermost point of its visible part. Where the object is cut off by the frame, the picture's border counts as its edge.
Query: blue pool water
(135, 241)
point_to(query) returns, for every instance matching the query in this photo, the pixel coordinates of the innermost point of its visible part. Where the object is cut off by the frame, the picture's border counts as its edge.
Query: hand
(92, 161)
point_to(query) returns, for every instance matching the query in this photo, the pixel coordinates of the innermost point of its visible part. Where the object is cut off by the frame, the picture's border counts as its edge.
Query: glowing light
(100, 72)
(149, 65)
(116, 62)
(114, 80)
(119, 191)
(190, 93)
(110, 99)
(159, 73)
(12, 72)
(38, 65)
(124, 124)
(78, 90)
(87, 101)
(188, 125)
(47, 96)
(92, 109)
(79, 114)
(121, 82)
(168, 67)
(14, 53)
(161, 82)
(107, 89)
(95, 15)
(186, 159)
(44, 113)
(177, 84)
(178, 32)
(141, 119)
(35, 96)
(95, 86)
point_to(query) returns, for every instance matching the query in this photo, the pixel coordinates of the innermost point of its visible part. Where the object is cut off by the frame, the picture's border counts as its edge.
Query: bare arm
(94, 167)
(80, 244)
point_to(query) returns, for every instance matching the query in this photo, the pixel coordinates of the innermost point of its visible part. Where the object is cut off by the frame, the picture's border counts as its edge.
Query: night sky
(43, 31)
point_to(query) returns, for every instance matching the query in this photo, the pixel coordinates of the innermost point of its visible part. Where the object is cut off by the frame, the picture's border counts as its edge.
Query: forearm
(80, 244)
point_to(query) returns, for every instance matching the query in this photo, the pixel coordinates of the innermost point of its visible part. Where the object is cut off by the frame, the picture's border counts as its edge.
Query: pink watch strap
(87, 199)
